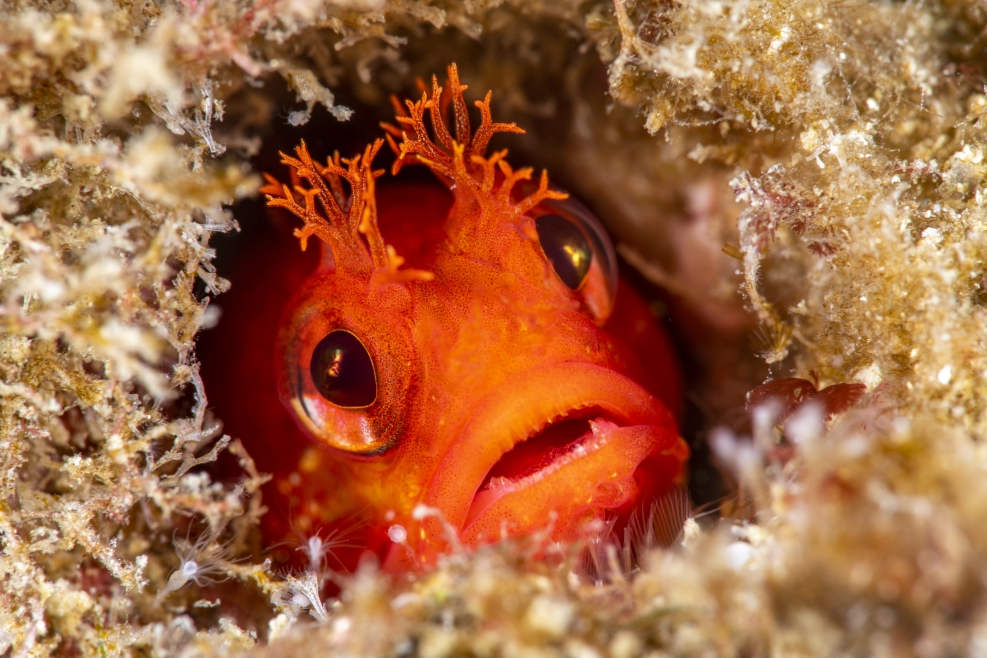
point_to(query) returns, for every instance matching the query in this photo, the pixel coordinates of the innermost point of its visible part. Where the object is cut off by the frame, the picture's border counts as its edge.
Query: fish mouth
(561, 446)
(561, 441)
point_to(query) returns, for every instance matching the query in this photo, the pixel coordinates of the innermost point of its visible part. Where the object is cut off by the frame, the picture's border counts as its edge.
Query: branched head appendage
(347, 224)
(462, 159)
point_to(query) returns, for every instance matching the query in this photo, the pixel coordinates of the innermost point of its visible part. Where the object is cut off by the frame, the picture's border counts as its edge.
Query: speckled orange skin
(471, 362)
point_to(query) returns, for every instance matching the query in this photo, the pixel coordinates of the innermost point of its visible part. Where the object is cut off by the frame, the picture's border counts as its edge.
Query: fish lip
(516, 413)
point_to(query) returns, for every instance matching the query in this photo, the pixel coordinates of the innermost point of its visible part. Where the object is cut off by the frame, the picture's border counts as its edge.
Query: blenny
(462, 365)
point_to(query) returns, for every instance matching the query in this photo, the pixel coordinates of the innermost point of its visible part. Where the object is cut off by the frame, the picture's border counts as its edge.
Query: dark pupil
(566, 248)
(343, 372)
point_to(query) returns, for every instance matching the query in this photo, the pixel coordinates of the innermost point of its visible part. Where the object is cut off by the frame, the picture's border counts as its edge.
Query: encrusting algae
(847, 140)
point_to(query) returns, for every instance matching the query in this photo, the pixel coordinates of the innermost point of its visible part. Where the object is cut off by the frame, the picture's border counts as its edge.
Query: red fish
(460, 360)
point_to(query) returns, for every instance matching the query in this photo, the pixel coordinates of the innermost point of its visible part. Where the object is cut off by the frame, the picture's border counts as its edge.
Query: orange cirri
(461, 358)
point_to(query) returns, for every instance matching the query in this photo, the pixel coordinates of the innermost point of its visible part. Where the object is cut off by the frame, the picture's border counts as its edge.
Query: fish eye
(577, 246)
(566, 248)
(343, 371)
